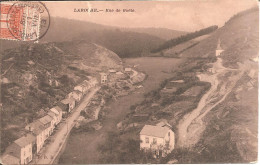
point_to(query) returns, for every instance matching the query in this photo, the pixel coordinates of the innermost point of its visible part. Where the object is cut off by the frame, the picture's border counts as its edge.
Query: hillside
(234, 120)
(125, 43)
(183, 38)
(177, 50)
(35, 77)
(158, 32)
(213, 108)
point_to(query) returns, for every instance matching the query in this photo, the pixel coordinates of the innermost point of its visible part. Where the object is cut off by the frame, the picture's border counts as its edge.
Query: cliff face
(35, 77)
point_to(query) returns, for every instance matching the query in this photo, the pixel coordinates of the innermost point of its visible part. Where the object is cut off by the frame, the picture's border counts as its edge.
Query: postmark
(24, 21)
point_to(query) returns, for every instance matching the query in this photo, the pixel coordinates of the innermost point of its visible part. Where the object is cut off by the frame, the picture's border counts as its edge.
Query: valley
(201, 86)
(155, 68)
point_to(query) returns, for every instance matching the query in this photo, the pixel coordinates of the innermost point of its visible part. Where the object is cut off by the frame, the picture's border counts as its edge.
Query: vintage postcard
(133, 82)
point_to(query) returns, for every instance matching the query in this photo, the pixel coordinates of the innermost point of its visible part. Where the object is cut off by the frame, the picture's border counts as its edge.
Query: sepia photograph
(133, 82)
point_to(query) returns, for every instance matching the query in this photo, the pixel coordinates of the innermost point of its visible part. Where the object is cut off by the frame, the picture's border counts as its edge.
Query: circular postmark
(28, 21)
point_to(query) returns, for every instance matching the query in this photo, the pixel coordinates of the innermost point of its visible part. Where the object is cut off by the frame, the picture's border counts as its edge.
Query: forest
(184, 38)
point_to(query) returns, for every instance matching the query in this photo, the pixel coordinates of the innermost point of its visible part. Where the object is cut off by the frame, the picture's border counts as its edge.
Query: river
(83, 148)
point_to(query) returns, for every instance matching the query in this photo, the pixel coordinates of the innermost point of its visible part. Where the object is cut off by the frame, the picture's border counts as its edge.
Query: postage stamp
(24, 21)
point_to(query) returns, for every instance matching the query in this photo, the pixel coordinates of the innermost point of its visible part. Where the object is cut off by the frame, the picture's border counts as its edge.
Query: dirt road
(54, 147)
(191, 126)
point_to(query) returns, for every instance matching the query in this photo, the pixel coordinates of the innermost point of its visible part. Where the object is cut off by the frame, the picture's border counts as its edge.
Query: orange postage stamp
(24, 21)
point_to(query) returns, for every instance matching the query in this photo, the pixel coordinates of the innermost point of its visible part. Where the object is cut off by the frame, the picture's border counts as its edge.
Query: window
(24, 153)
(154, 140)
(147, 140)
(169, 134)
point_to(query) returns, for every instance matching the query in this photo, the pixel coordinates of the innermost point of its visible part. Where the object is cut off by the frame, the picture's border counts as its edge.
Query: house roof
(25, 140)
(13, 150)
(68, 101)
(112, 70)
(51, 114)
(37, 127)
(155, 131)
(128, 69)
(77, 92)
(10, 159)
(46, 119)
(62, 106)
(58, 109)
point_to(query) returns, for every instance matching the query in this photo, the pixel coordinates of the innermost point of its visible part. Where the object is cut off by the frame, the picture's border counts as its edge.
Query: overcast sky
(186, 15)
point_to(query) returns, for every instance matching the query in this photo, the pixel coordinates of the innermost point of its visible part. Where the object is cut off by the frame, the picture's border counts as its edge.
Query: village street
(52, 149)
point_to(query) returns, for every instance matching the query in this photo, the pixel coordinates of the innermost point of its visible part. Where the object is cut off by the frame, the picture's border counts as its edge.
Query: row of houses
(104, 76)
(22, 150)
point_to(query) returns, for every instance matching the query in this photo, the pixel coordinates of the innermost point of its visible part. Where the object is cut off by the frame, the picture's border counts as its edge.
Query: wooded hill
(184, 38)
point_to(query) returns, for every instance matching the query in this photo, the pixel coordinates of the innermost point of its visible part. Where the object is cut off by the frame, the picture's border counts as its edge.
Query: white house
(219, 50)
(54, 117)
(20, 150)
(104, 78)
(37, 128)
(48, 123)
(58, 112)
(160, 139)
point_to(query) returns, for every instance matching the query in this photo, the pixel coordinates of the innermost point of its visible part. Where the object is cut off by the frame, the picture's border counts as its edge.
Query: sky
(183, 15)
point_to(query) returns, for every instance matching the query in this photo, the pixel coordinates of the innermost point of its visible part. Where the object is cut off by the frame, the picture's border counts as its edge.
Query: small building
(177, 81)
(69, 103)
(212, 70)
(112, 71)
(37, 128)
(128, 69)
(104, 78)
(48, 124)
(219, 50)
(20, 150)
(54, 117)
(58, 112)
(158, 139)
(119, 73)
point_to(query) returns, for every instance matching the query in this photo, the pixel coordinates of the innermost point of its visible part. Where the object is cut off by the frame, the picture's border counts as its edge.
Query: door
(160, 153)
